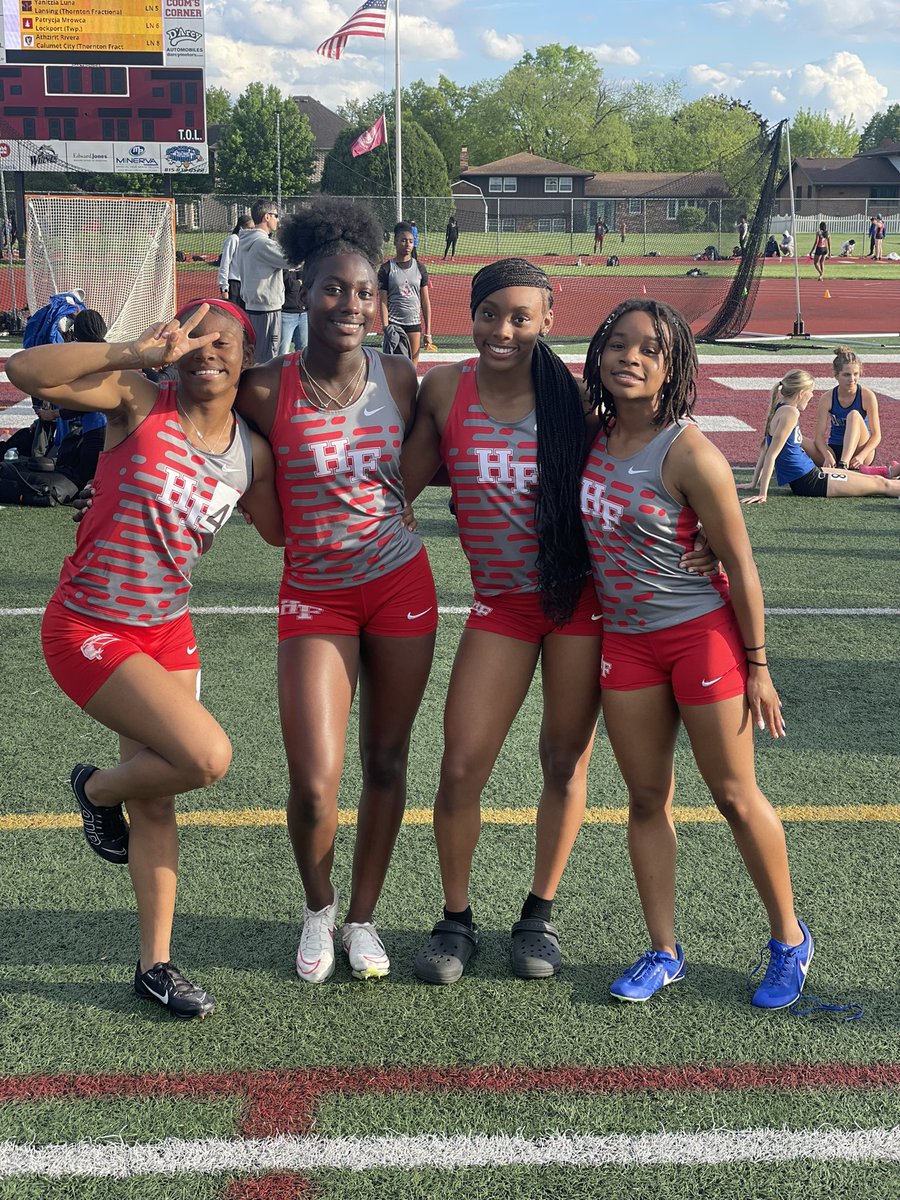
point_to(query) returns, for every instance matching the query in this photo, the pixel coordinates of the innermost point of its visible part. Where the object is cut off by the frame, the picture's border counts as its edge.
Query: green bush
(690, 218)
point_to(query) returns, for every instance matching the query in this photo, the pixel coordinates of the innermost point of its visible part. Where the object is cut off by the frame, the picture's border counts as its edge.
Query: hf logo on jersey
(199, 513)
(605, 667)
(499, 466)
(92, 647)
(294, 608)
(480, 610)
(595, 504)
(336, 458)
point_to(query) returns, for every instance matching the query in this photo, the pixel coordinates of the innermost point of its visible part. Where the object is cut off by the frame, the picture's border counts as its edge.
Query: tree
(709, 131)
(816, 135)
(651, 112)
(443, 111)
(884, 126)
(373, 174)
(218, 106)
(554, 103)
(246, 154)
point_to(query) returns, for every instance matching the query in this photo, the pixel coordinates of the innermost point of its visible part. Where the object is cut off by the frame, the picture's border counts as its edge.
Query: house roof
(325, 124)
(886, 147)
(840, 172)
(525, 164)
(614, 184)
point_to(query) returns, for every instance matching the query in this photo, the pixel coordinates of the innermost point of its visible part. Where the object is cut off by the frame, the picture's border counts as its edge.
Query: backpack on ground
(613, 260)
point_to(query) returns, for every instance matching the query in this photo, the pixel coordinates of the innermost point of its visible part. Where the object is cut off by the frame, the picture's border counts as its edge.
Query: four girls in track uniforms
(117, 633)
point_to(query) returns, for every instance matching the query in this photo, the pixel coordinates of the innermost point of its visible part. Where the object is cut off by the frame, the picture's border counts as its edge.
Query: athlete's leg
(827, 460)
(393, 675)
(415, 345)
(722, 741)
(856, 438)
(316, 681)
(183, 746)
(642, 726)
(570, 675)
(488, 684)
(153, 855)
(852, 483)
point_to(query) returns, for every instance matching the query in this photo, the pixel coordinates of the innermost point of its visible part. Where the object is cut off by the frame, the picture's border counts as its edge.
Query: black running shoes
(105, 826)
(166, 984)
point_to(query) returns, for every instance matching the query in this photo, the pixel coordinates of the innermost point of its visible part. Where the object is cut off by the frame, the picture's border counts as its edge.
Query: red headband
(233, 310)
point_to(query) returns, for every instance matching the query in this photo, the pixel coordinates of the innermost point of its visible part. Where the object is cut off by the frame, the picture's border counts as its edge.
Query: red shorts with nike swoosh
(702, 660)
(82, 652)
(401, 604)
(520, 615)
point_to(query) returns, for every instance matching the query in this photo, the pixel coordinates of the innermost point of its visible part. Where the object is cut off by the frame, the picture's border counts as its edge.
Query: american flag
(368, 21)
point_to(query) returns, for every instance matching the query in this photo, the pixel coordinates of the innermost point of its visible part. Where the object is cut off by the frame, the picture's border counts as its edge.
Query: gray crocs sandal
(444, 956)
(534, 949)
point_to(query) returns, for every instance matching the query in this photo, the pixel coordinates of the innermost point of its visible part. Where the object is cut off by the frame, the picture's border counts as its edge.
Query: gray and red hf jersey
(493, 475)
(338, 479)
(158, 503)
(636, 534)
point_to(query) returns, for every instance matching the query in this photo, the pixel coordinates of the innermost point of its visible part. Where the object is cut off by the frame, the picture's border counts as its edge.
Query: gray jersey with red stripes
(493, 474)
(636, 534)
(338, 479)
(158, 503)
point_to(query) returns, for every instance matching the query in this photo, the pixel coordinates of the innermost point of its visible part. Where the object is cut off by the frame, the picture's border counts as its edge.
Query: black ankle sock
(461, 918)
(536, 908)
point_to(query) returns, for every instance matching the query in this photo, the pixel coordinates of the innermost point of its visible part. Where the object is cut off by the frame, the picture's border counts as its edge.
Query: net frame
(119, 250)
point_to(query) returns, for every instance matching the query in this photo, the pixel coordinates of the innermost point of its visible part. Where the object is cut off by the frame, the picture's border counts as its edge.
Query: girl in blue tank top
(848, 428)
(797, 462)
(710, 673)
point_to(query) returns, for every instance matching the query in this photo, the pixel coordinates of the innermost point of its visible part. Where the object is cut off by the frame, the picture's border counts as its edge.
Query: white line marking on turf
(458, 610)
(446, 1153)
(722, 424)
(884, 385)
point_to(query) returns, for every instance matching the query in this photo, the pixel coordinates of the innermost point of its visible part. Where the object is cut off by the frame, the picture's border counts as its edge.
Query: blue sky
(779, 55)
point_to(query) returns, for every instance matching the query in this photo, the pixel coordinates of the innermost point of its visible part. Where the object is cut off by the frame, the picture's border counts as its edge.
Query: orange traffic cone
(827, 294)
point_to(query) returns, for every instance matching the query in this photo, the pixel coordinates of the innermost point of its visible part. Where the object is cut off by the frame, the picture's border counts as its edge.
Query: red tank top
(158, 503)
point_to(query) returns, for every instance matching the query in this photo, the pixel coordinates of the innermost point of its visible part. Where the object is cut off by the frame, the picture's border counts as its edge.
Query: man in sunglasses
(259, 264)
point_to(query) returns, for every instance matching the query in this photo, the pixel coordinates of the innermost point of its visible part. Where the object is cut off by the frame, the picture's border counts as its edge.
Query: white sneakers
(365, 951)
(315, 955)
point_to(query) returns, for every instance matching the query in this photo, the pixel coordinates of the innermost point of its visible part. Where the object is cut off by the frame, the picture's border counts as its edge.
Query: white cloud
(422, 39)
(502, 46)
(843, 87)
(749, 10)
(877, 17)
(778, 97)
(710, 79)
(625, 56)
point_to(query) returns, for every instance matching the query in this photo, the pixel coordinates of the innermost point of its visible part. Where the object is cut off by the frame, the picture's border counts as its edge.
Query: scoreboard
(103, 85)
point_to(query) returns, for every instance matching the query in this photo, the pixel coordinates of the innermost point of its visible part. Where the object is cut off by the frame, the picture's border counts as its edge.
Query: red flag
(368, 21)
(375, 135)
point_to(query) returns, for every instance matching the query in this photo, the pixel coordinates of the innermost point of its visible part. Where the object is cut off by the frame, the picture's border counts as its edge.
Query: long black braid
(562, 559)
(679, 394)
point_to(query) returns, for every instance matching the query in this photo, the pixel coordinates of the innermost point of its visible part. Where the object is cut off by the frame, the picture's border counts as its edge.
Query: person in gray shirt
(403, 291)
(259, 263)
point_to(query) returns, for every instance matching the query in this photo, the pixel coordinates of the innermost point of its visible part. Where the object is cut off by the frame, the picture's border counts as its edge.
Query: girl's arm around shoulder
(421, 456)
(257, 397)
(402, 380)
(259, 503)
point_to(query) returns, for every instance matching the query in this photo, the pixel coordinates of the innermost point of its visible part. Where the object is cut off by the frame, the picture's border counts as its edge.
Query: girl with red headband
(117, 633)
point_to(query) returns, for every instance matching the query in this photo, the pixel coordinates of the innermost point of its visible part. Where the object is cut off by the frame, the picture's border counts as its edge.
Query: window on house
(565, 183)
(510, 183)
(635, 206)
(495, 183)
(551, 183)
(671, 210)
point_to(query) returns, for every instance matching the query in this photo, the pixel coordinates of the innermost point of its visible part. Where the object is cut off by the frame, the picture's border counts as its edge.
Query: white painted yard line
(884, 385)
(458, 610)
(210, 1156)
(707, 361)
(18, 416)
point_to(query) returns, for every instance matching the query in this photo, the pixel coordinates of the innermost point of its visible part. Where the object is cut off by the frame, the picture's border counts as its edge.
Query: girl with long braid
(509, 426)
(357, 602)
(678, 647)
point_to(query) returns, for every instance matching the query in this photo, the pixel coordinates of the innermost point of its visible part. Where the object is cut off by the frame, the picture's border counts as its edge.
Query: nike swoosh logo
(645, 471)
(710, 682)
(668, 978)
(192, 649)
(596, 616)
(162, 997)
(415, 616)
(370, 412)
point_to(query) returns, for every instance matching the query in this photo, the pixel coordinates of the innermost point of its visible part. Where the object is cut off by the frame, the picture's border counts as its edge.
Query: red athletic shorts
(82, 652)
(702, 660)
(520, 615)
(401, 604)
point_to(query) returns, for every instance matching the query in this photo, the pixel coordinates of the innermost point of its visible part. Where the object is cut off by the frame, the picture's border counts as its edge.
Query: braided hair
(562, 560)
(329, 226)
(679, 393)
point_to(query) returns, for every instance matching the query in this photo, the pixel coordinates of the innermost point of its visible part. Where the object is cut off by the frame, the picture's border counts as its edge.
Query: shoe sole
(371, 973)
(644, 999)
(321, 979)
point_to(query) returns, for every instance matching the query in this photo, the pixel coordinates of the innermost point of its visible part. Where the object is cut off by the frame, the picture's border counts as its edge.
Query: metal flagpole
(798, 322)
(397, 137)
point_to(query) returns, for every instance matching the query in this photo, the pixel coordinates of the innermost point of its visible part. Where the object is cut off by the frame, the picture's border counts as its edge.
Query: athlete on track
(357, 601)
(117, 634)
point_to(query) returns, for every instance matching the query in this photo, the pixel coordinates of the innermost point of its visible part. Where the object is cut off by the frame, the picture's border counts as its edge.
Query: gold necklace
(324, 396)
(216, 439)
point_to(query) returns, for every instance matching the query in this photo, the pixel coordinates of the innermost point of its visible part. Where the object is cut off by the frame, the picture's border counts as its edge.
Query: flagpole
(397, 138)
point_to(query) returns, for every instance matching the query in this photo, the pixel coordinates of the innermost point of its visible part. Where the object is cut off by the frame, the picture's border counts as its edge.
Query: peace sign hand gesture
(167, 341)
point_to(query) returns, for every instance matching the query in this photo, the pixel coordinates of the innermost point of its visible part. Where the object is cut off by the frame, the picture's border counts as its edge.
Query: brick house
(844, 187)
(325, 126)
